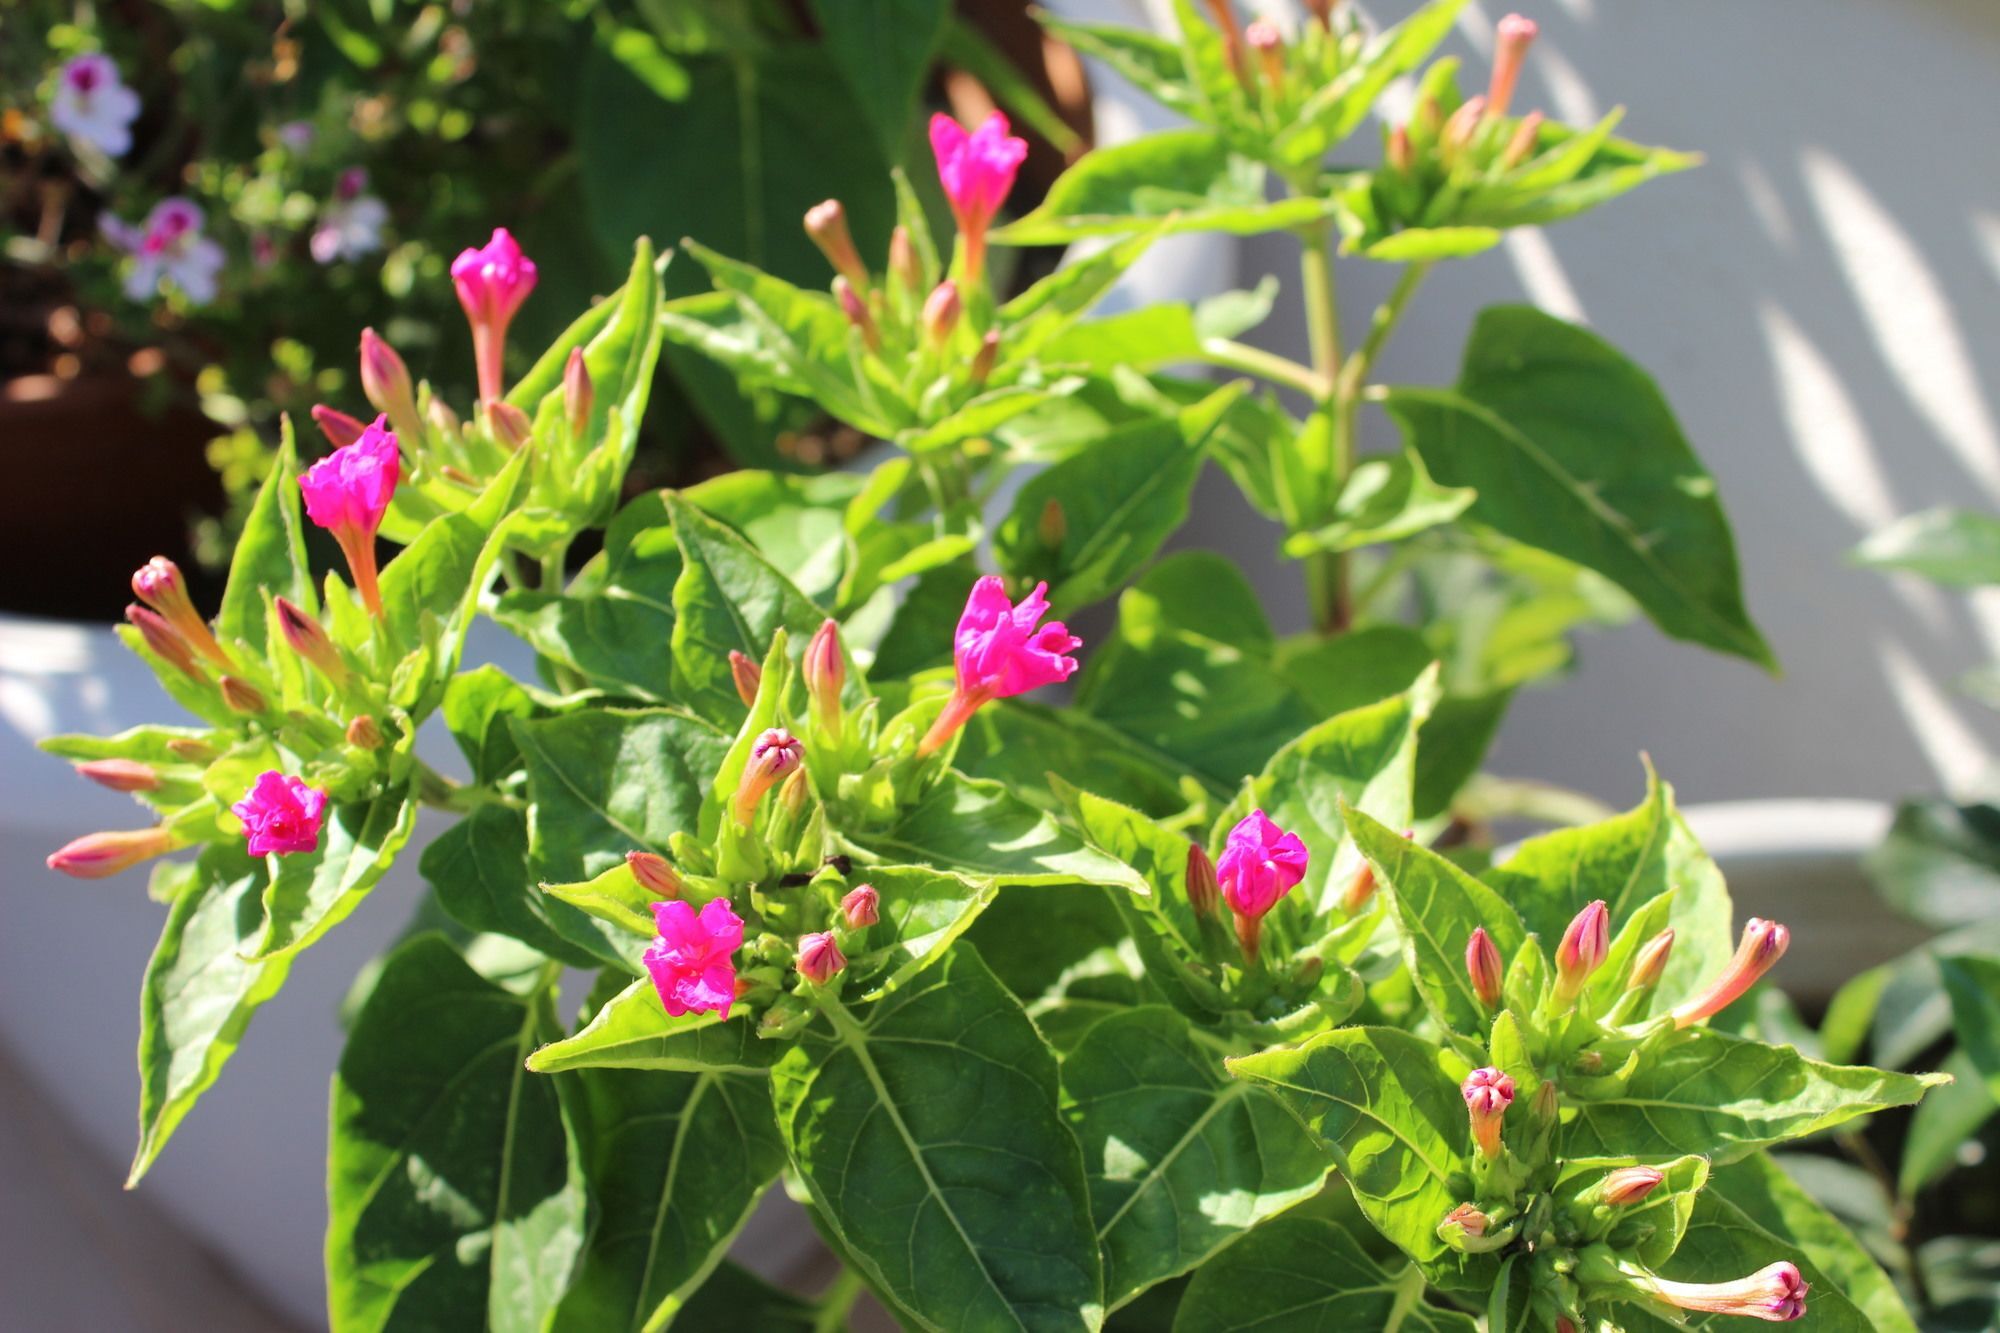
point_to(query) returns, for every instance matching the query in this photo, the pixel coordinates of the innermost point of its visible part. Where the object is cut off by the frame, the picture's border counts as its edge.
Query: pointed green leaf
(979, 829)
(270, 559)
(479, 869)
(1955, 547)
(1309, 1275)
(883, 48)
(633, 1031)
(314, 891)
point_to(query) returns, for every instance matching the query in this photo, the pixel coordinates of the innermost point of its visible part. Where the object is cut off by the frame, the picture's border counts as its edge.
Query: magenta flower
(158, 583)
(1488, 1093)
(1585, 944)
(492, 282)
(280, 814)
(693, 961)
(1483, 966)
(862, 907)
(97, 855)
(1000, 653)
(92, 105)
(977, 171)
(820, 958)
(774, 755)
(1260, 863)
(168, 246)
(348, 491)
(1775, 1293)
(1763, 944)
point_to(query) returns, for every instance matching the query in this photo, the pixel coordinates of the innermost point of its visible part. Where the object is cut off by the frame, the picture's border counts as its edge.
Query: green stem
(554, 567)
(440, 792)
(838, 1300)
(1280, 370)
(1354, 372)
(1326, 572)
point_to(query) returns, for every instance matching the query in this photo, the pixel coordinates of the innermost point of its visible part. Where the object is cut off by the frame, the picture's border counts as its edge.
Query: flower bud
(190, 749)
(1628, 1185)
(386, 381)
(825, 670)
(578, 394)
(1763, 943)
(1468, 1219)
(363, 734)
(339, 428)
(655, 874)
(159, 585)
(1516, 35)
(986, 357)
(1052, 528)
(443, 420)
(242, 697)
(792, 794)
(857, 314)
(98, 855)
(1775, 1293)
(1488, 1093)
(1470, 1229)
(1584, 944)
(747, 675)
(1204, 890)
(941, 311)
(904, 267)
(1402, 158)
(1521, 144)
(309, 640)
(1360, 890)
(1263, 37)
(508, 423)
(1482, 964)
(862, 907)
(120, 774)
(826, 223)
(1651, 961)
(162, 642)
(820, 959)
(1224, 15)
(1458, 130)
(773, 756)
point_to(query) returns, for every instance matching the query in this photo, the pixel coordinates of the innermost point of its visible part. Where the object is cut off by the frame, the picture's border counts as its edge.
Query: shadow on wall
(1818, 303)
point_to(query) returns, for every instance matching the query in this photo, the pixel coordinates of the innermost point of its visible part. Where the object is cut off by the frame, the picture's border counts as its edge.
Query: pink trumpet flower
(1001, 652)
(977, 171)
(492, 281)
(281, 815)
(693, 959)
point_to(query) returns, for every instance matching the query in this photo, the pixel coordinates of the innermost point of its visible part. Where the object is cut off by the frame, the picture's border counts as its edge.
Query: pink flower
(1001, 653)
(280, 814)
(1585, 943)
(168, 246)
(348, 491)
(386, 380)
(774, 755)
(825, 671)
(693, 962)
(97, 855)
(492, 281)
(158, 583)
(1483, 966)
(1260, 863)
(1488, 1093)
(1204, 889)
(655, 874)
(92, 105)
(820, 959)
(120, 774)
(861, 907)
(1516, 34)
(1629, 1184)
(1763, 944)
(350, 225)
(1775, 1293)
(977, 171)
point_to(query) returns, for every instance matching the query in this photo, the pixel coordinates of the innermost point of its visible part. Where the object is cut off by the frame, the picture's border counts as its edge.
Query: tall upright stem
(1326, 571)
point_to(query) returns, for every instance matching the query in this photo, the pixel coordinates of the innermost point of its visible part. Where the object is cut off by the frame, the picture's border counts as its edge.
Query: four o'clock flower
(168, 245)
(941, 311)
(579, 394)
(655, 874)
(1775, 1293)
(347, 492)
(1516, 34)
(773, 755)
(339, 428)
(1001, 652)
(350, 225)
(492, 281)
(1763, 943)
(127, 775)
(977, 171)
(820, 959)
(1584, 945)
(861, 907)
(693, 959)
(309, 639)
(1260, 863)
(92, 105)
(1488, 1093)
(163, 642)
(97, 855)
(386, 381)
(1204, 886)
(1483, 966)
(746, 676)
(826, 224)
(1651, 961)
(159, 585)
(825, 671)
(1628, 1185)
(280, 815)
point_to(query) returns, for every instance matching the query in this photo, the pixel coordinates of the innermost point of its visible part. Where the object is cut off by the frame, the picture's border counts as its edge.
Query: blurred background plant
(336, 156)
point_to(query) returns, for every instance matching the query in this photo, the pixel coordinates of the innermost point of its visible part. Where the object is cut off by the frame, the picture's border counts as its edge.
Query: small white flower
(92, 105)
(168, 247)
(350, 225)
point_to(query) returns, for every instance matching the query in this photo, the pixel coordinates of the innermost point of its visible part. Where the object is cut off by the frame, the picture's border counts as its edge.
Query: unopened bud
(1585, 943)
(1488, 1093)
(1204, 889)
(826, 223)
(120, 774)
(1516, 35)
(747, 675)
(443, 420)
(862, 907)
(1360, 890)
(1521, 144)
(1459, 129)
(97, 855)
(941, 312)
(905, 269)
(655, 874)
(339, 428)
(1651, 961)
(363, 734)
(1402, 158)
(1427, 119)
(986, 357)
(792, 794)
(191, 749)
(1264, 38)
(386, 381)
(1052, 529)
(162, 641)
(1483, 966)
(773, 756)
(309, 640)
(578, 394)
(825, 670)
(242, 697)
(820, 959)
(508, 423)
(159, 585)
(1471, 1230)
(857, 314)
(1763, 944)
(1628, 1185)
(1232, 38)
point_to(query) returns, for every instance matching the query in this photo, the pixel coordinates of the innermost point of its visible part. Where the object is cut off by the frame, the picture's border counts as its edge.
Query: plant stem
(838, 1300)
(1326, 572)
(1354, 372)
(1281, 370)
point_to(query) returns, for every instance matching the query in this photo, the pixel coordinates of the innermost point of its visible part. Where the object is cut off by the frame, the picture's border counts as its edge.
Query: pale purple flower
(168, 246)
(92, 105)
(350, 225)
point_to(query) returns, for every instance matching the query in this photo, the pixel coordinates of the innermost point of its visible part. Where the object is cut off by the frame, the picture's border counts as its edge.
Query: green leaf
(634, 1031)
(1340, 107)
(1362, 666)
(270, 559)
(1940, 863)
(1951, 546)
(798, 524)
(603, 783)
(734, 1297)
(200, 992)
(1413, 245)
(1147, 338)
(314, 892)
(1438, 907)
(1188, 180)
(676, 1164)
(1385, 500)
(883, 48)
(1152, 63)
(441, 575)
(978, 417)
(1309, 1275)
(454, 1194)
(1944, 1122)
(476, 707)
(1017, 744)
(479, 870)
(928, 1134)
(1572, 449)
(1722, 1097)
(1396, 1126)
(1973, 983)
(1182, 1160)
(922, 913)
(977, 829)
